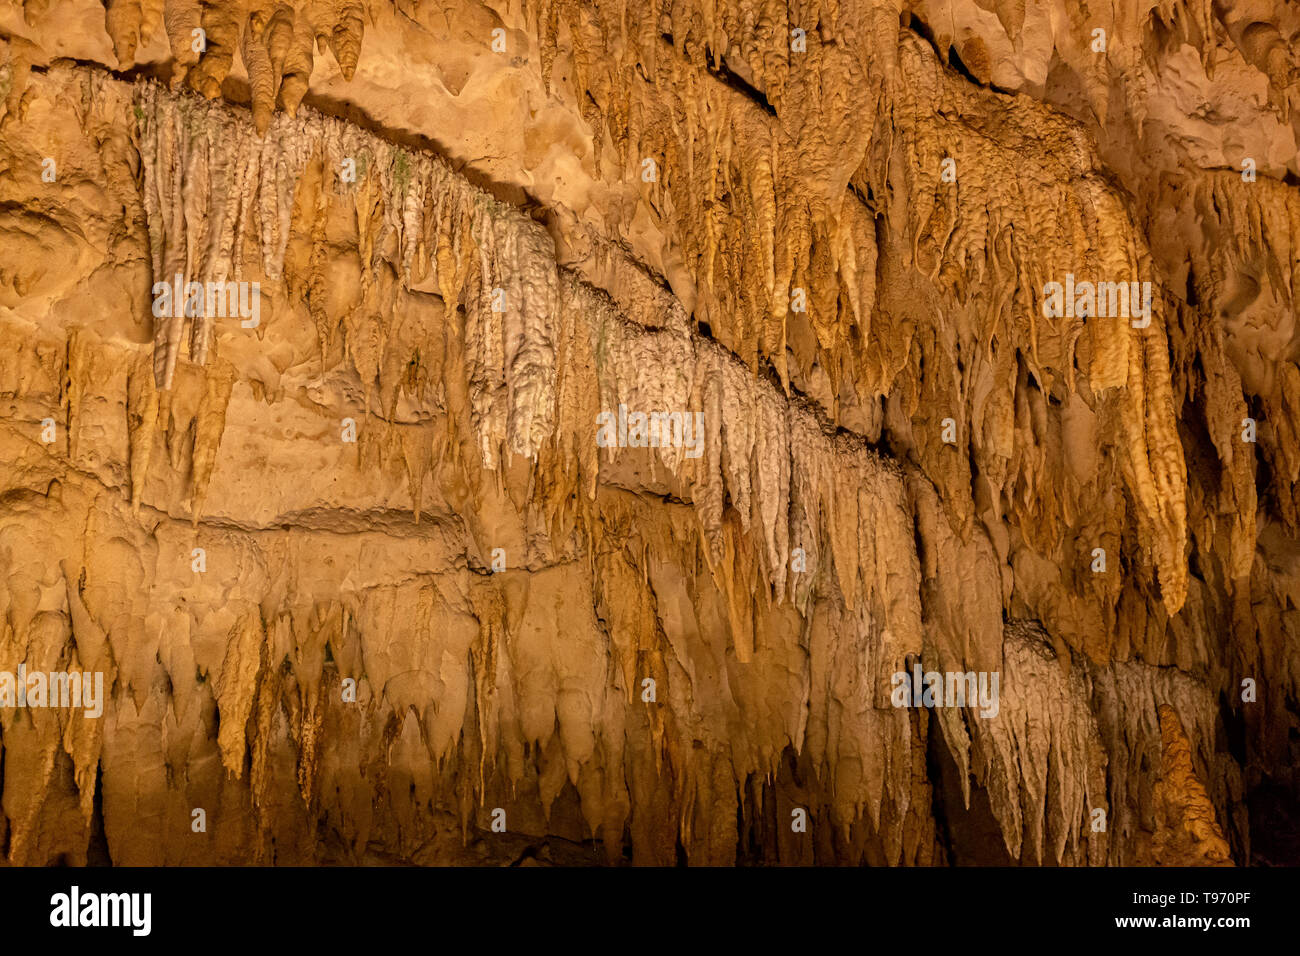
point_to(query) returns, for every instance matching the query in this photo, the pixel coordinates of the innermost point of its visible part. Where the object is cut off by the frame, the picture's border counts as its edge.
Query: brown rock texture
(364, 575)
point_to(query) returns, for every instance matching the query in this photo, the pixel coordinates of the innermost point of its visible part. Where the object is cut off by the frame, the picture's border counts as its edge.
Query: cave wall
(828, 230)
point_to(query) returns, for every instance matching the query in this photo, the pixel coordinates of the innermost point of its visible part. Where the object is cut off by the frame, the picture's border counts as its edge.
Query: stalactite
(902, 461)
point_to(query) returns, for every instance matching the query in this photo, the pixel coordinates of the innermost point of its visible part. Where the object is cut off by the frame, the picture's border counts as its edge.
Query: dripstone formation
(573, 432)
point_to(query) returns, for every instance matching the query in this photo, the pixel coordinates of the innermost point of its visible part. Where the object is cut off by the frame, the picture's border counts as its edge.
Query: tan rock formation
(1187, 833)
(372, 537)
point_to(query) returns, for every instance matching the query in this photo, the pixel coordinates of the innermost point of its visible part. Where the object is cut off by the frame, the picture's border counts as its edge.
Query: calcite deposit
(945, 505)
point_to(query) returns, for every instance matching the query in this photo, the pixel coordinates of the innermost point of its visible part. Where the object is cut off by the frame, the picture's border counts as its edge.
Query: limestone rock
(653, 421)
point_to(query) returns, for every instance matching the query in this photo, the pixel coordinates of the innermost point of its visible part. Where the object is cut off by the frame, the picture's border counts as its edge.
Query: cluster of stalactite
(829, 535)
